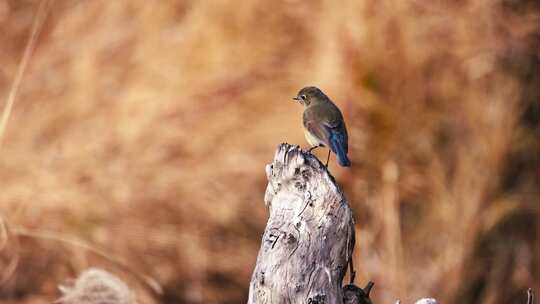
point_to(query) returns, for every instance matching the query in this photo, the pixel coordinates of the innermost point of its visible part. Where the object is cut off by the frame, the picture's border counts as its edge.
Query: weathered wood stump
(309, 237)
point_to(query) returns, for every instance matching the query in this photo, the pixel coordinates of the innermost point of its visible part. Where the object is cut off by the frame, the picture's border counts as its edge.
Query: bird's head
(308, 95)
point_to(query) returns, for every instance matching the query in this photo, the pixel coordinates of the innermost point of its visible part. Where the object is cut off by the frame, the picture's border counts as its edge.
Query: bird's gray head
(308, 95)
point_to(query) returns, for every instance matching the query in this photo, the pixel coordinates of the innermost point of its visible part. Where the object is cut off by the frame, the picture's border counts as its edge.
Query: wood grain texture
(309, 236)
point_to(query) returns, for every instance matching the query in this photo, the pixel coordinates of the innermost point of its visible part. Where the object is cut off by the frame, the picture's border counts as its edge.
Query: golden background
(142, 128)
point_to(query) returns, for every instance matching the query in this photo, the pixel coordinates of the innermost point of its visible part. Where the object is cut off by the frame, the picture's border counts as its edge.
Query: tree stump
(309, 236)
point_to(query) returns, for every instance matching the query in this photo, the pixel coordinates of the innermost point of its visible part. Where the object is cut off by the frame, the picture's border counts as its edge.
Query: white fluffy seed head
(427, 301)
(96, 286)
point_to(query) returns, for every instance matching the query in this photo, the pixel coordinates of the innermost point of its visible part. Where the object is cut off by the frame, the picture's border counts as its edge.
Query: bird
(323, 124)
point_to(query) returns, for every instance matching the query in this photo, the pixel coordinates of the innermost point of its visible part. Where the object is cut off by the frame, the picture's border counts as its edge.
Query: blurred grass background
(142, 128)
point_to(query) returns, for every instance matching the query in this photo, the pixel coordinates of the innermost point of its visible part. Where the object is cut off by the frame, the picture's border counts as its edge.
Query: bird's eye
(303, 97)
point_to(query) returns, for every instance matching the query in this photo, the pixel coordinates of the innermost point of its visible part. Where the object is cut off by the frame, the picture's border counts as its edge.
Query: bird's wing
(322, 120)
(338, 126)
(317, 130)
(316, 126)
(331, 121)
(335, 123)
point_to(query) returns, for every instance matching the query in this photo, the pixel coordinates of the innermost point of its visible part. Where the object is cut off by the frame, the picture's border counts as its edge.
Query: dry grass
(143, 128)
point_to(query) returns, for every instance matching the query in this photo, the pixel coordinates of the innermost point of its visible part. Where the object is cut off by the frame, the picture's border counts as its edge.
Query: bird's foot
(314, 147)
(328, 159)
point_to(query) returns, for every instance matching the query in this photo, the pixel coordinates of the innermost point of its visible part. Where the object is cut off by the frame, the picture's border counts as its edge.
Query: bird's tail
(337, 145)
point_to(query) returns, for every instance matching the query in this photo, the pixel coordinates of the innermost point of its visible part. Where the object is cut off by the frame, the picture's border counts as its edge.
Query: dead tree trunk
(309, 236)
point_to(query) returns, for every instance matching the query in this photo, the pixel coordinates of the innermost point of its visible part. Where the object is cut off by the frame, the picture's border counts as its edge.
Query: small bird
(323, 124)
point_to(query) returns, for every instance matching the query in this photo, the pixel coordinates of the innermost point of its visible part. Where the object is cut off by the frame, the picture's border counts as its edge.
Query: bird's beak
(296, 98)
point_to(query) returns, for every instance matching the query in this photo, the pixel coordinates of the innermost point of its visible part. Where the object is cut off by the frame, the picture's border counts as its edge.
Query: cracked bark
(309, 236)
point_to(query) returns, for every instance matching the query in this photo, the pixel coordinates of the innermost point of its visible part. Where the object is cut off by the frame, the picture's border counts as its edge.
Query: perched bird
(323, 124)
